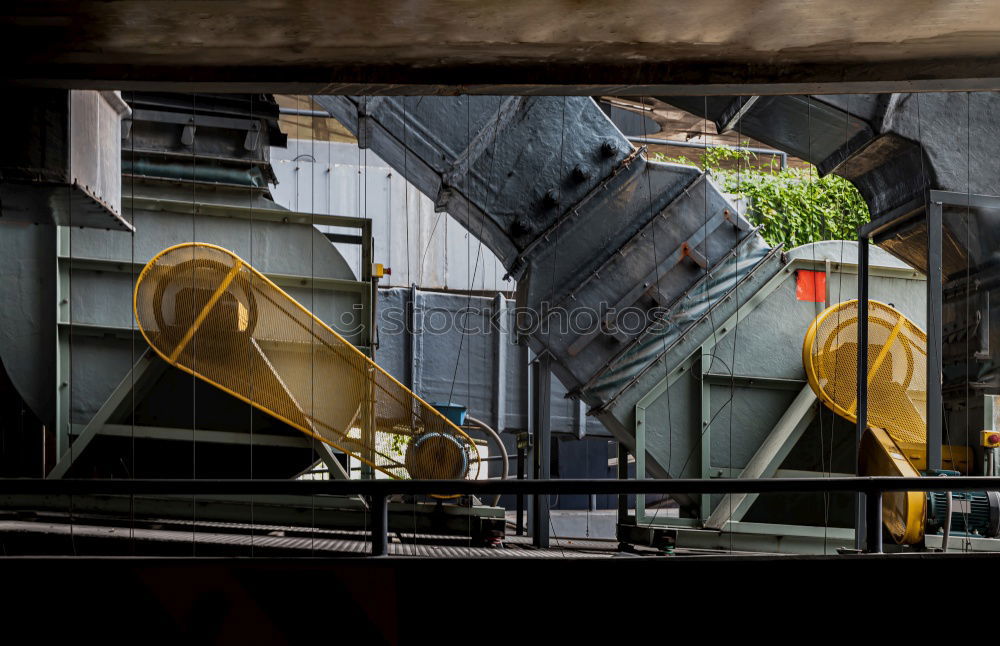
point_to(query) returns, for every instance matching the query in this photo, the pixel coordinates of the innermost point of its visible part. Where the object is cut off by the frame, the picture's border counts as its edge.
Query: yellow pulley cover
(895, 442)
(206, 311)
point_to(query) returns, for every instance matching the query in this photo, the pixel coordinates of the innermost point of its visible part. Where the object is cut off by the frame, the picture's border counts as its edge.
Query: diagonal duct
(624, 265)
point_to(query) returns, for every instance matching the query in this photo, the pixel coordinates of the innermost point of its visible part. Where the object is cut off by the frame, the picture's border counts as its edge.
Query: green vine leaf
(795, 205)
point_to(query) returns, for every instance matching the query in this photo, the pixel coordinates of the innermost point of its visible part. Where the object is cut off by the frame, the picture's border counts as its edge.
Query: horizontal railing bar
(31, 486)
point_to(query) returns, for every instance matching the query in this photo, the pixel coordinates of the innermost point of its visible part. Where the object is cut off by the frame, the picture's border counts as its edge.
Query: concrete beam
(520, 46)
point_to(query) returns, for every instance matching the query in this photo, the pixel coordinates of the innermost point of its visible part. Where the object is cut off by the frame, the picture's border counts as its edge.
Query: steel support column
(542, 446)
(523, 440)
(873, 507)
(379, 505)
(622, 469)
(862, 423)
(934, 334)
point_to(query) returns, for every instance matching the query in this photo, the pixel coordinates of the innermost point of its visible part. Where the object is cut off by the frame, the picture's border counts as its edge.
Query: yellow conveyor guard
(206, 311)
(895, 442)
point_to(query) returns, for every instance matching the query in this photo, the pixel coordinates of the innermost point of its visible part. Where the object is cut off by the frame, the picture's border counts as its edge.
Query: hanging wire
(194, 344)
(548, 371)
(68, 413)
(363, 214)
(663, 345)
(736, 327)
(312, 321)
(132, 336)
(250, 407)
(469, 283)
(482, 227)
(821, 410)
(840, 299)
(406, 191)
(816, 308)
(967, 542)
(409, 277)
(729, 403)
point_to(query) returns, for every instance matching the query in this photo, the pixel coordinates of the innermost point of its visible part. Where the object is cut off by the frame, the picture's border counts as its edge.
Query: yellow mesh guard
(897, 368)
(206, 311)
(897, 395)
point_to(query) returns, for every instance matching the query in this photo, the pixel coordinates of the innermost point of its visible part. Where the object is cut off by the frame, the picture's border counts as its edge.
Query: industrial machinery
(925, 165)
(642, 287)
(691, 311)
(196, 168)
(895, 443)
(208, 312)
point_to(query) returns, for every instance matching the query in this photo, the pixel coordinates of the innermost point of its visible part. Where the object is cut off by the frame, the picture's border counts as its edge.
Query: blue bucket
(454, 412)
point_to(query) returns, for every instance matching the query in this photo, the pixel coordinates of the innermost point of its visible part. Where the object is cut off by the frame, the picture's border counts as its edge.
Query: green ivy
(794, 205)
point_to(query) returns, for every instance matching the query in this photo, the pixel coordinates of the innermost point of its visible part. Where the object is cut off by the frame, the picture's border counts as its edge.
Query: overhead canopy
(427, 46)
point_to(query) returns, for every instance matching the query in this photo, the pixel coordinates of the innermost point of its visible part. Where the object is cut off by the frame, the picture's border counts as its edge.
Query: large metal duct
(637, 260)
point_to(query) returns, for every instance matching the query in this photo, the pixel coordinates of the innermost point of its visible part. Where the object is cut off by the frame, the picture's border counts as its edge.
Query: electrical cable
(69, 377)
(663, 349)
(312, 321)
(967, 543)
(194, 344)
(132, 335)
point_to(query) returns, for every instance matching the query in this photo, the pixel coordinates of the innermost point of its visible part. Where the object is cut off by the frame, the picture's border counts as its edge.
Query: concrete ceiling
(581, 46)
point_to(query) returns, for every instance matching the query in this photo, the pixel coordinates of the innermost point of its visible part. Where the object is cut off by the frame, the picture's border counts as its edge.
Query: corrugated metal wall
(422, 247)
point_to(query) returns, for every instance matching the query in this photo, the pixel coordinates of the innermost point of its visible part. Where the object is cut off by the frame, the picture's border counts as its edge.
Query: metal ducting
(585, 223)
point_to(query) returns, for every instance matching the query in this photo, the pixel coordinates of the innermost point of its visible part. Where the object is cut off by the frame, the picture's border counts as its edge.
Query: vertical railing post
(934, 333)
(379, 505)
(873, 509)
(542, 449)
(523, 440)
(623, 475)
(862, 381)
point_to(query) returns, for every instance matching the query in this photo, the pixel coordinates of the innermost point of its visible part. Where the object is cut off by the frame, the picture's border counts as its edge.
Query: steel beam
(329, 458)
(138, 380)
(768, 457)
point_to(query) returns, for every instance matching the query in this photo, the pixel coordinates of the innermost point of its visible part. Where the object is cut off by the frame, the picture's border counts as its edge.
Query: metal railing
(378, 491)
